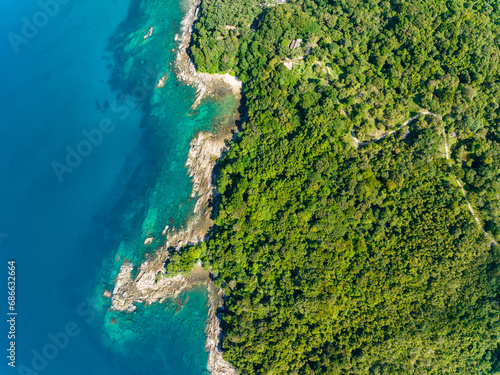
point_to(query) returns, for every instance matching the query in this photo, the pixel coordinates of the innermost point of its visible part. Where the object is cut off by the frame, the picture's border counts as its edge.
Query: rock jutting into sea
(205, 83)
(151, 284)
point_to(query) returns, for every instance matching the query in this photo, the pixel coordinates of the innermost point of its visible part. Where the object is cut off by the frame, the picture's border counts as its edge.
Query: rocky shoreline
(206, 84)
(150, 283)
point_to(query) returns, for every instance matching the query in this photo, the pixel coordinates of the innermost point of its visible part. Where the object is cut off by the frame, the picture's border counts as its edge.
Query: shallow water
(91, 163)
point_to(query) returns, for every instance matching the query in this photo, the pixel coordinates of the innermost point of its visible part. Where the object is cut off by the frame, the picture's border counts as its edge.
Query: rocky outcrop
(205, 83)
(150, 283)
(204, 150)
(216, 364)
(150, 32)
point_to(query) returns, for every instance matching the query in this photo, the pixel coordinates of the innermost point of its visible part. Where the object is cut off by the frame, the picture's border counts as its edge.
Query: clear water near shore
(169, 334)
(88, 64)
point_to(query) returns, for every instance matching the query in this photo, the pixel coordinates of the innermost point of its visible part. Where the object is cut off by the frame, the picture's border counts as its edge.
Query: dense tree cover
(336, 260)
(383, 60)
(345, 260)
(477, 150)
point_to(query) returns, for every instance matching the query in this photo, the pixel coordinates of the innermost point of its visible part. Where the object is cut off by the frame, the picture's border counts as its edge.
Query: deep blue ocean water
(91, 163)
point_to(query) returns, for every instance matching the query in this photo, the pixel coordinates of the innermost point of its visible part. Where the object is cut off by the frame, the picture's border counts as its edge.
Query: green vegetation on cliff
(338, 259)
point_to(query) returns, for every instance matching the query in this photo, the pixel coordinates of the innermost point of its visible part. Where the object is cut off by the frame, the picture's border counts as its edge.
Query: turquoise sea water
(91, 163)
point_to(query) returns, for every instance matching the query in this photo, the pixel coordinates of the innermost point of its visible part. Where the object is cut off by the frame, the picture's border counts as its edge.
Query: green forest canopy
(337, 259)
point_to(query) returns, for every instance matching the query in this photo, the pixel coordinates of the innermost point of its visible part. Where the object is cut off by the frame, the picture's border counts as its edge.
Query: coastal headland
(150, 283)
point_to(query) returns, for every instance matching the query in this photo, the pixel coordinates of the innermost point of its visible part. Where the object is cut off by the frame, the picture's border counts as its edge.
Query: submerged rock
(150, 32)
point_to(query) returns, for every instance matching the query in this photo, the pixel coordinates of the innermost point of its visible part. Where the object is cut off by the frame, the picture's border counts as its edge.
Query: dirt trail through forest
(424, 113)
(464, 192)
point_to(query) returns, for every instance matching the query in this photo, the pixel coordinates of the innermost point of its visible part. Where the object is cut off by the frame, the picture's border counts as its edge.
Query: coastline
(150, 283)
(206, 84)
